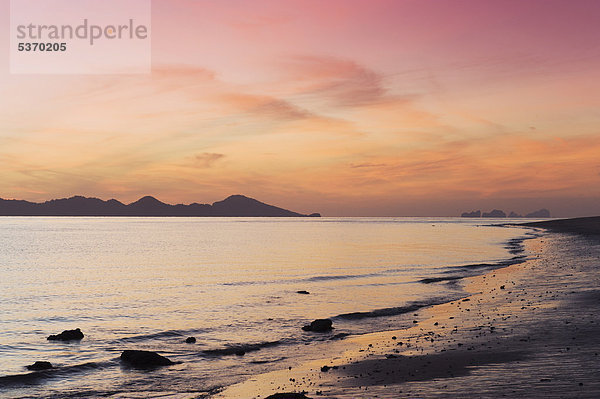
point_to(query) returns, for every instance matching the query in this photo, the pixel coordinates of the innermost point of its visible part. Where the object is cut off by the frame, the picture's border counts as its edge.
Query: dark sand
(589, 226)
(529, 330)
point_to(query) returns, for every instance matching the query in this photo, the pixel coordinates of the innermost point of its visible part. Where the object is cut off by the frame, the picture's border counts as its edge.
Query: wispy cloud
(343, 82)
(207, 159)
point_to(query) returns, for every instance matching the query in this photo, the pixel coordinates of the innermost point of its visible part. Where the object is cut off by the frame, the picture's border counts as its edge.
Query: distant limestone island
(497, 213)
(233, 206)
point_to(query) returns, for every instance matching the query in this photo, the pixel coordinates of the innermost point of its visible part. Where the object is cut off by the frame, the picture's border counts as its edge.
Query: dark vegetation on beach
(232, 206)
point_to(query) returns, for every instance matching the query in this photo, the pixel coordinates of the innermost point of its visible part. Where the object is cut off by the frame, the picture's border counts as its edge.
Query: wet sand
(529, 330)
(588, 226)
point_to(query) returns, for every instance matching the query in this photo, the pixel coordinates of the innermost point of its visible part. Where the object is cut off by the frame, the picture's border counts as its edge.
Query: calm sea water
(148, 283)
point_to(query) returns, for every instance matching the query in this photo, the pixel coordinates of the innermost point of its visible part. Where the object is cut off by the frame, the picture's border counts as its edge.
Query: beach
(530, 329)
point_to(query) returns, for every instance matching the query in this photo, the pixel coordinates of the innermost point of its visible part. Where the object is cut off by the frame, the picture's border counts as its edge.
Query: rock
(144, 359)
(190, 340)
(474, 214)
(319, 325)
(67, 335)
(315, 215)
(496, 213)
(303, 292)
(542, 213)
(39, 366)
(514, 215)
(240, 352)
(288, 395)
(325, 369)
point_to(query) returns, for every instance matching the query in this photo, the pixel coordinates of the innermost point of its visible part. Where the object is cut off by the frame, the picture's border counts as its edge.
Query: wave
(340, 277)
(158, 335)
(36, 377)
(265, 361)
(395, 311)
(239, 349)
(440, 279)
(313, 278)
(456, 273)
(515, 245)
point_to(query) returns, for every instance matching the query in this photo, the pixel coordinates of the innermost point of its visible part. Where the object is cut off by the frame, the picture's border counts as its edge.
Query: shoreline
(525, 316)
(586, 226)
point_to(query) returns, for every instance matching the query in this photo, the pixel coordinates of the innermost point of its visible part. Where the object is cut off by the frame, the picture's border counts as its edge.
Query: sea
(232, 283)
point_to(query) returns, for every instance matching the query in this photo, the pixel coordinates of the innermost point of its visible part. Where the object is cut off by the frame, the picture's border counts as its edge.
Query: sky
(344, 107)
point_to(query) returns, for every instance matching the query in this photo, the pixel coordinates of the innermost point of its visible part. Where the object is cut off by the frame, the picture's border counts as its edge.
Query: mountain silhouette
(235, 205)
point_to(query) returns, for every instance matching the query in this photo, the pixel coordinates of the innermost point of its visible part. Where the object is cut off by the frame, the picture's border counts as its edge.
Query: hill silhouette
(235, 205)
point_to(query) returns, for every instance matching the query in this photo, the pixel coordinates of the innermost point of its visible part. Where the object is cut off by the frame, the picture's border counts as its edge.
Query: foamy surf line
(528, 315)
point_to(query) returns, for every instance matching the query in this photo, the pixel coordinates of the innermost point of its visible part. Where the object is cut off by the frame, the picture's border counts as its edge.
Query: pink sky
(353, 107)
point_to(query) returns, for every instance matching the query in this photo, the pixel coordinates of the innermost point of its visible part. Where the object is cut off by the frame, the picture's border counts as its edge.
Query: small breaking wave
(238, 349)
(157, 335)
(395, 311)
(326, 277)
(454, 273)
(37, 377)
(440, 279)
(340, 277)
(266, 361)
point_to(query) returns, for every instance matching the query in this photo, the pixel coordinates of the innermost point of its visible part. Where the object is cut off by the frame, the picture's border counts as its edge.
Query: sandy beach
(530, 330)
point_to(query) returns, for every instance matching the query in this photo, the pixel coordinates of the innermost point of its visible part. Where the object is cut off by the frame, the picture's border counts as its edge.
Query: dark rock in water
(67, 335)
(144, 359)
(240, 352)
(288, 395)
(496, 213)
(39, 366)
(325, 369)
(315, 215)
(542, 213)
(190, 340)
(303, 292)
(319, 325)
(474, 214)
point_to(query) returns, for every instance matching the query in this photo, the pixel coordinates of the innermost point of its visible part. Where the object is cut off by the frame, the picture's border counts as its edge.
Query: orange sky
(344, 107)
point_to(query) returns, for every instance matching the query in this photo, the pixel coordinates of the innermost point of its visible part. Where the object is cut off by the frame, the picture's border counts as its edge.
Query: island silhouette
(497, 213)
(233, 206)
